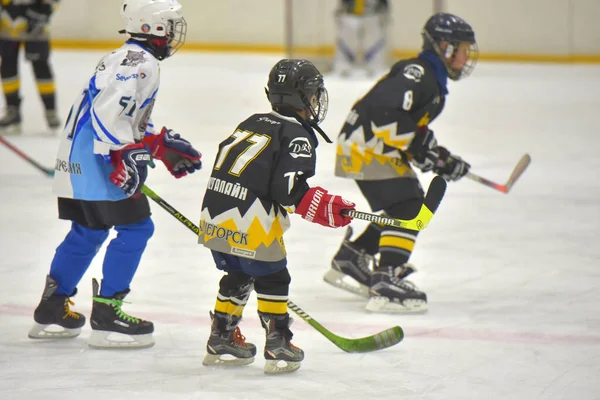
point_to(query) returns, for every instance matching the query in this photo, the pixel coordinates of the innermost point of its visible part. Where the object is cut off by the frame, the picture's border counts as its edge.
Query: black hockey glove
(423, 149)
(450, 167)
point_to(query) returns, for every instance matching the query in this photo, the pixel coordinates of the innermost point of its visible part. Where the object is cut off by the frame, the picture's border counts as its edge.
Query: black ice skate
(113, 328)
(280, 354)
(350, 268)
(226, 344)
(52, 119)
(390, 292)
(54, 311)
(10, 124)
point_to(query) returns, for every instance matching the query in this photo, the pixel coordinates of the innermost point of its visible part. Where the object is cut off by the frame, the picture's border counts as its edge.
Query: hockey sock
(369, 239)
(123, 256)
(234, 291)
(272, 292)
(74, 256)
(45, 83)
(396, 246)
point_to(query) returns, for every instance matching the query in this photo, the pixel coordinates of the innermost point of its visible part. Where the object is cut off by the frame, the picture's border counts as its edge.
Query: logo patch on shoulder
(300, 147)
(134, 58)
(414, 72)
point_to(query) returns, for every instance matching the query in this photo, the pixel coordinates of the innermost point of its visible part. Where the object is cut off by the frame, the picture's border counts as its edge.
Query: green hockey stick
(379, 341)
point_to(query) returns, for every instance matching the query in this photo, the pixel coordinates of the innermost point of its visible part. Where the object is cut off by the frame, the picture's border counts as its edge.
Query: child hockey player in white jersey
(102, 162)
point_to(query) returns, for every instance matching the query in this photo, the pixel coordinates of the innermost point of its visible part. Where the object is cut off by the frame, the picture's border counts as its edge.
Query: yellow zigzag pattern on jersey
(262, 228)
(362, 152)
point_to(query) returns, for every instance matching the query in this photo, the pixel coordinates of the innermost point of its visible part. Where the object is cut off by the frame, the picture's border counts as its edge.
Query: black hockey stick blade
(435, 194)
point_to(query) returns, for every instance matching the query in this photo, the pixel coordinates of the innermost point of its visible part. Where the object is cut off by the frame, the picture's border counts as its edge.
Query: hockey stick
(379, 341)
(24, 156)
(516, 173)
(435, 194)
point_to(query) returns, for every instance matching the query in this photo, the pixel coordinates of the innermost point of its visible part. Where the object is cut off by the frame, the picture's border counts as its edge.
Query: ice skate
(280, 354)
(391, 292)
(226, 344)
(54, 312)
(350, 268)
(113, 328)
(10, 124)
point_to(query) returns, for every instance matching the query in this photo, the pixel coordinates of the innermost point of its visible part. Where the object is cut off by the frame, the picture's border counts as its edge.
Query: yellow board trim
(397, 242)
(328, 50)
(272, 307)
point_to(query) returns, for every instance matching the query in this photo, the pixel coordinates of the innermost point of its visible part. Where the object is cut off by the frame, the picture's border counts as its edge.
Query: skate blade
(41, 331)
(222, 360)
(273, 367)
(113, 340)
(384, 305)
(339, 280)
(12, 130)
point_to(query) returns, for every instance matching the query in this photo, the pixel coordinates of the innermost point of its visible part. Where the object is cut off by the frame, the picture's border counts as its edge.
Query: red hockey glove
(176, 153)
(325, 209)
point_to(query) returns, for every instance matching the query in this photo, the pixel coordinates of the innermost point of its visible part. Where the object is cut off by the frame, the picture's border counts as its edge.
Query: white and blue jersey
(112, 111)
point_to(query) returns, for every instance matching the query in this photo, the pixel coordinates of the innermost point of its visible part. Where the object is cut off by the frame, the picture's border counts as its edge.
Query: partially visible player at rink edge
(259, 178)
(386, 131)
(26, 23)
(102, 163)
(361, 37)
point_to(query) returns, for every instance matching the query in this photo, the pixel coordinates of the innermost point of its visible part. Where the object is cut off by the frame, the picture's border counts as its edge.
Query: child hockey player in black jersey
(258, 179)
(26, 23)
(385, 130)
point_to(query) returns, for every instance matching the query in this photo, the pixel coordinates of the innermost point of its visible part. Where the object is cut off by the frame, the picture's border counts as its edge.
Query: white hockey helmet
(159, 22)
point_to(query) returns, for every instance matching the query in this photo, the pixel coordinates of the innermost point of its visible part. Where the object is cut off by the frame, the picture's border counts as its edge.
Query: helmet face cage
(176, 34)
(318, 105)
(449, 55)
(472, 56)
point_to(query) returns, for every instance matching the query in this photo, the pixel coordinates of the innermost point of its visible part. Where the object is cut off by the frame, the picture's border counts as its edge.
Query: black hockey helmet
(453, 30)
(298, 85)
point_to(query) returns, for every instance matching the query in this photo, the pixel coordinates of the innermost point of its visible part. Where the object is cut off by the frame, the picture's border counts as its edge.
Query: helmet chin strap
(311, 127)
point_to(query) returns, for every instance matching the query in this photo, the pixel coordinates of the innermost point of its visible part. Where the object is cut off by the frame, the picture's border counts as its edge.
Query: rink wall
(508, 30)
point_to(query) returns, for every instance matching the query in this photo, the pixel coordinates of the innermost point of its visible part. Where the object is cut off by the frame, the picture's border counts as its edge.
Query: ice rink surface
(513, 280)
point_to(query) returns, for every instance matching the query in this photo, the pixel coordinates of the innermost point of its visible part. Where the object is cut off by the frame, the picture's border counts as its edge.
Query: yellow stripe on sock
(46, 87)
(235, 310)
(272, 307)
(222, 306)
(11, 86)
(397, 242)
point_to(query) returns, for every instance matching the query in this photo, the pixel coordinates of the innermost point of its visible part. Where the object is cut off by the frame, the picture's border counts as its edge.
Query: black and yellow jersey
(259, 176)
(17, 17)
(382, 124)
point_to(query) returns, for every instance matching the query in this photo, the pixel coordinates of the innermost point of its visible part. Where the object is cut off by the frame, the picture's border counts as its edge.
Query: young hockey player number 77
(258, 179)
